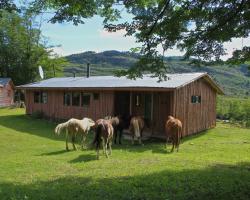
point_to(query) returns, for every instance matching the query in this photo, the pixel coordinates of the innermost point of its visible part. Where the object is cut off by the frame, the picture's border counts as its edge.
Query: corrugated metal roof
(4, 81)
(175, 81)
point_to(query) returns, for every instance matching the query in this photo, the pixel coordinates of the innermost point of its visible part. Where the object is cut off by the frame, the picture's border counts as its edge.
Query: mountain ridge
(235, 81)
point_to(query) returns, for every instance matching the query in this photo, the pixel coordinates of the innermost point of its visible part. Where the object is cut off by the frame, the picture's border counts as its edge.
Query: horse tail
(60, 127)
(136, 128)
(97, 138)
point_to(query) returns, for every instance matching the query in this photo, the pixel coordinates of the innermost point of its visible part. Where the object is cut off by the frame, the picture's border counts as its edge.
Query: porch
(153, 106)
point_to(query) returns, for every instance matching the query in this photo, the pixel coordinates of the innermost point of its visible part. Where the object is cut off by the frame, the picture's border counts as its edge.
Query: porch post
(130, 103)
(152, 113)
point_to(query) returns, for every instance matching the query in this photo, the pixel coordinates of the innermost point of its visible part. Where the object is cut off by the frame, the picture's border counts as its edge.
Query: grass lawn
(34, 165)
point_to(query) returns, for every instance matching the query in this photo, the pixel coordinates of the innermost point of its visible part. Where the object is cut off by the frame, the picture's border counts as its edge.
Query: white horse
(74, 127)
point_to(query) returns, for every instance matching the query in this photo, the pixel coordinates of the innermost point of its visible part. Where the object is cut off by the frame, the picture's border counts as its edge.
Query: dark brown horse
(104, 135)
(173, 128)
(118, 124)
(136, 127)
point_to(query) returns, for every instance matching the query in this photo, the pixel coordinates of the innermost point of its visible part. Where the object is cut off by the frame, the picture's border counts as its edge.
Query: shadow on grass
(38, 127)
(44, 128)
(84, 158)
(214, 182)
(54, 153)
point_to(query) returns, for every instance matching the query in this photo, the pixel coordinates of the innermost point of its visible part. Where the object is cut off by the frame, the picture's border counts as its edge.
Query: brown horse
(118, 125)
(136, 127)
(74, 127)
(104, 134)
(173, 128)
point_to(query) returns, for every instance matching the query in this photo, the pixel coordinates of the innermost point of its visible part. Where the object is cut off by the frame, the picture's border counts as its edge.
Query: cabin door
(122, 105)
(148, 109)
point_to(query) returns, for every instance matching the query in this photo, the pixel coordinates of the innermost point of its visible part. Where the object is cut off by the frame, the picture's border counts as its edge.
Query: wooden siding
(195, 116)
(6, 95)
(56, 110)
(162, 108)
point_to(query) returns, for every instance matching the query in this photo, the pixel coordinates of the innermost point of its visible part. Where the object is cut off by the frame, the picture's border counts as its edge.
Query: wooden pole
(130, 104)
(152, 113)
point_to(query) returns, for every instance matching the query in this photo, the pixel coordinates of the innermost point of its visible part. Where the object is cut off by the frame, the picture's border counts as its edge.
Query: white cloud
(105, 34)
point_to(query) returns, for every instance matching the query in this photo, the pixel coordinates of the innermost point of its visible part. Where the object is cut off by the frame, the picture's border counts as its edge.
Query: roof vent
(88, 70)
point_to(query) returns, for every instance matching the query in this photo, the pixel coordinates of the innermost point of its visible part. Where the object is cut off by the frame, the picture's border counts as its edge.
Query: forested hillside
(234, 80)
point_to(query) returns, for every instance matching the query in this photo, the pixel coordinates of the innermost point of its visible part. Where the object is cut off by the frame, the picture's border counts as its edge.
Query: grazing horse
(136, 128)
(104, 134)
(173, 128)
(73, 127)
(118, 125)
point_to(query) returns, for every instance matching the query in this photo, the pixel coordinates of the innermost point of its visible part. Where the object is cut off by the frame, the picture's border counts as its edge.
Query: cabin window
(44, 97)
(96, 96)
(196, 99)
(76, 99)
(85, 99)
(40, 97)
(67, 99)
(137, 99)
(36, 97)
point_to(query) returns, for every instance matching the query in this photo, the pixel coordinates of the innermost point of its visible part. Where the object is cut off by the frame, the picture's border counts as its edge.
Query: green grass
(34, 165)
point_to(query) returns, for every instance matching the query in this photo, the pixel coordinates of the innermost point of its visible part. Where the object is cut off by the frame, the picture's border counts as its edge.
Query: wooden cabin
(191, 97)
(6, 92)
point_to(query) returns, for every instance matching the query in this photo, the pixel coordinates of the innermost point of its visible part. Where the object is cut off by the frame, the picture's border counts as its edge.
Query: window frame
(72, 99)
(64, 99)
(37, 97)
(96, 96)
(196, 99)
(89, 101)
(44, 99)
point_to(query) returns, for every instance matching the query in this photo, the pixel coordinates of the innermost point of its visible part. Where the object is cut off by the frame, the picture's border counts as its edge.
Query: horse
(74, 127)
(136, 127)
(104, 133)
(118, 125)
(173, 129)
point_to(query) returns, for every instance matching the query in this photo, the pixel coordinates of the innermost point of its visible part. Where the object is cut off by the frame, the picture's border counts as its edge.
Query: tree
(21, 48)
(197, 27)
(7, 5)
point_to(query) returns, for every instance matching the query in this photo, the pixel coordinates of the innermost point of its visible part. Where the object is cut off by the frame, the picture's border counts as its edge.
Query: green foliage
(199, 28)
(34, 165)
(234, 109)
(22, 49)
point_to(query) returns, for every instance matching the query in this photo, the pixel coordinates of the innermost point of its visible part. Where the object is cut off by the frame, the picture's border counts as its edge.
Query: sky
(69, 39)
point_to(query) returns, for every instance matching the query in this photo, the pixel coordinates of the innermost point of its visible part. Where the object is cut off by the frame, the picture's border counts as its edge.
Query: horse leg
(120, 137)
(173, 144)
(83, 140)
(103, 145)
(110, 148)
(139, 139)
(133, 139)
(106, 147)
(73, 141)
(67, 136)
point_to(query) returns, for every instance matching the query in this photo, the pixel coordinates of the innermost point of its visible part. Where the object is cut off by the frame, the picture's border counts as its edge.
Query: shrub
(38, 114)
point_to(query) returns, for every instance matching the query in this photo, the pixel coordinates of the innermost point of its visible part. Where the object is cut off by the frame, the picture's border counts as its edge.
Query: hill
(234, 80)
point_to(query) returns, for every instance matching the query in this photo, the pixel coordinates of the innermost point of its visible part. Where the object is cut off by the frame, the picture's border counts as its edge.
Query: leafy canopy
(197, 27)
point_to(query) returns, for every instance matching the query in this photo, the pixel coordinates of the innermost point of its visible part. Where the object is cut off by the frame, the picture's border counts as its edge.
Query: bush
(234, 109)
(38, 115)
